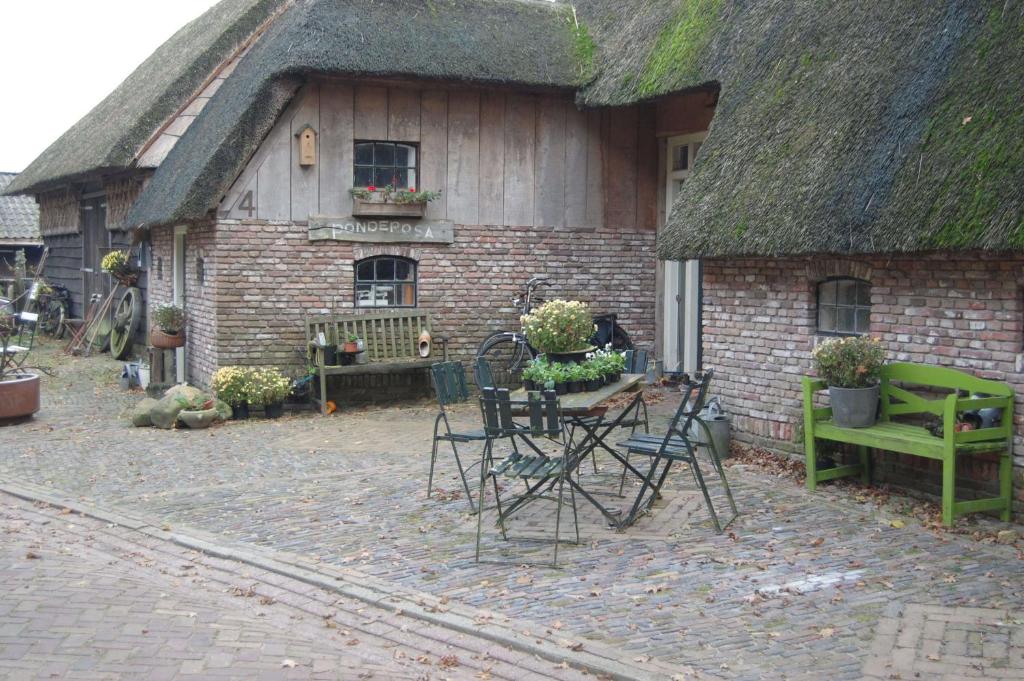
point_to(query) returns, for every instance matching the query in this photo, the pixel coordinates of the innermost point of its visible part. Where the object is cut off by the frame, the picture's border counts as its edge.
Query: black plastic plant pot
(274, 411)
(561, 388)
(593, 384)
(330, 355)
(529, 385)
(575, 386)
(240, 412)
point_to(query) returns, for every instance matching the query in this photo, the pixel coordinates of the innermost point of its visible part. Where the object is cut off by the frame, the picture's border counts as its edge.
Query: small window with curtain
(386, 281)
(844, 307)
(382, 164)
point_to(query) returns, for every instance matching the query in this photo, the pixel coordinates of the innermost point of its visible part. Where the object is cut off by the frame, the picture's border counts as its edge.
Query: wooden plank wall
(499, 158)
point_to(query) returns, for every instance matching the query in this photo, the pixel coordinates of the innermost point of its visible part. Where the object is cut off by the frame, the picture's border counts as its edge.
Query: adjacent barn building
(19, 229)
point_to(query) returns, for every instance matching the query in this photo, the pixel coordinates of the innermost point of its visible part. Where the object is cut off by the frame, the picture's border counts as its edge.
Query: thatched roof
(110, 135)
(857, 127)
(518, 42)
(19, 217)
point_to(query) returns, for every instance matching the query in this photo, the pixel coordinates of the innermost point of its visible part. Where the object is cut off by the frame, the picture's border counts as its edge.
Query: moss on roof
(866, 128)
(519, 42)
(110, 135)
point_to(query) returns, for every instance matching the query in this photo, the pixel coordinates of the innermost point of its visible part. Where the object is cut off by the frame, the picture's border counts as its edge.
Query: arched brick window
(844, 306)
(386, 281)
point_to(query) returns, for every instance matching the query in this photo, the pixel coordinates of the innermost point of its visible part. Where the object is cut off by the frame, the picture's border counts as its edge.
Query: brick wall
(963, 311)
(263, 277)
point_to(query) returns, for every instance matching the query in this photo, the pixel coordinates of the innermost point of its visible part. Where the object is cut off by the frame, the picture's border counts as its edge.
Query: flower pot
(574, 357)
(365, 208)
(854, 407)
(166, 341)
(240, 411)
(127, 279)
(330, 355)
(199, 418)
(274, 411)
(361, 357)
(423, 344)
(19, 396)
(614, 378)
(561, 388)
(575, 386)
(528, 385)
(360, 345)
(351, 347)
(594, 384)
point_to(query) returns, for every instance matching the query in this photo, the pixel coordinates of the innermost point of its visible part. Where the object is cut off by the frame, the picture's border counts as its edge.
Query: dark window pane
(364, 153)
(383, 154)
(386, 269)
(863, 294)
(847, 291)
(382, 177)
(846, 320)
(401, 178)
(827, 293)
(403, 270)
(827, 319)
(863, 320)
(681, 157)
(364, 271)
(364, 176)
(405, 155)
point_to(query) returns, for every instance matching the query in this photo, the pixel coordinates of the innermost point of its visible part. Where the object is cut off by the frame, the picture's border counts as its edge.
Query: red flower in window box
(371, 188)
(411, 190)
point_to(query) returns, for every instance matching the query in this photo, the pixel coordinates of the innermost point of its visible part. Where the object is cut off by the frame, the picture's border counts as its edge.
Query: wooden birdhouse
(307, 145)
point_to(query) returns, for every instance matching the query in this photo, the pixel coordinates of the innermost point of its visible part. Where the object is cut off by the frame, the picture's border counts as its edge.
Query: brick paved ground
(800, 583)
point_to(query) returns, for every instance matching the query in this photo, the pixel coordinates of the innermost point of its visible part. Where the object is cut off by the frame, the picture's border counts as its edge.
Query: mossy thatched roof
(852, 128)
(110, 135)
(518, 42)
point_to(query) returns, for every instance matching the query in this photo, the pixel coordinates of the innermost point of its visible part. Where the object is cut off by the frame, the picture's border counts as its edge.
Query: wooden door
(95, 244)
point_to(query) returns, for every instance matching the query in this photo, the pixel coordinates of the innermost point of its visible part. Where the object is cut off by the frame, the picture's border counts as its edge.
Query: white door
(682, 279)
(179, 293)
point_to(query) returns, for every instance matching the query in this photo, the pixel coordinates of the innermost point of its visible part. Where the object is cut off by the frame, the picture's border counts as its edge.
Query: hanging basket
(128, 279)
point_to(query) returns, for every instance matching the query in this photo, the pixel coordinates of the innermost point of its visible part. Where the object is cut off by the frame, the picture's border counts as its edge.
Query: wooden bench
(907, 438)
(391, 341)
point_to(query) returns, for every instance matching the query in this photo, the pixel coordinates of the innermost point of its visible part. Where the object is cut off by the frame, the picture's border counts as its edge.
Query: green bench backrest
(387, 335)
(897, 400)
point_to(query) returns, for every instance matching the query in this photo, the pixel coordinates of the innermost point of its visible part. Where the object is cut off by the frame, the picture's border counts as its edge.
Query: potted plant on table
(352, 344)
(592, 375)
(168, 330)
(19, 389)
(577, 378)
(851, 367)
(561, 330)
(232, 385)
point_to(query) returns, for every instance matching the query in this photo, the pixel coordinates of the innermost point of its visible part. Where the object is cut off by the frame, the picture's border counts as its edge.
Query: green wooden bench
(907, 438)
(391, 341)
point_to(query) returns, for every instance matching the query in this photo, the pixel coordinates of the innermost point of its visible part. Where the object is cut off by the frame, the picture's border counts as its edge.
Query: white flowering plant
(559, 326)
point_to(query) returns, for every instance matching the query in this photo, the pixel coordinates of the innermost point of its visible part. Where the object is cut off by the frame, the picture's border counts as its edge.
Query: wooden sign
(385, 230)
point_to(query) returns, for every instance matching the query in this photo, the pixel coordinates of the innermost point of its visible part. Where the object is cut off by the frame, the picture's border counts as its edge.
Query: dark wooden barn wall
(64, 266)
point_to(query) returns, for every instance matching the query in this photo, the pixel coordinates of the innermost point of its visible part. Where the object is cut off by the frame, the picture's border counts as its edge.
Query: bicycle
(54, 309)
(508, 351)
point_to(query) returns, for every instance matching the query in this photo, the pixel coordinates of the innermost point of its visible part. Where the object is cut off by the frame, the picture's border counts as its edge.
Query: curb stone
(598, 659)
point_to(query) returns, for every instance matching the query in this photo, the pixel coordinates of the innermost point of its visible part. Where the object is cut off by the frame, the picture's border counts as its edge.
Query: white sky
(59, 58)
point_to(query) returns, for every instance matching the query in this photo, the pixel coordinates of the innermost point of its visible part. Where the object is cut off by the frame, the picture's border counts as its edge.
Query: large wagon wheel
(125, 322)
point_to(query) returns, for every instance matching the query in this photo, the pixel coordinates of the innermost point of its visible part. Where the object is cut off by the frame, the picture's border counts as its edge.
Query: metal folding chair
(675, 446)
(16, 354)
(449, 379)
(541, 472)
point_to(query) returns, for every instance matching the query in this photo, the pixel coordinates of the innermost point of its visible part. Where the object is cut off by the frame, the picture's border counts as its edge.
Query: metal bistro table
(584, 412)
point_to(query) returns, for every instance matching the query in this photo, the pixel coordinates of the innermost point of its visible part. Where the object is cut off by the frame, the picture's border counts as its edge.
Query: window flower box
(363, 208)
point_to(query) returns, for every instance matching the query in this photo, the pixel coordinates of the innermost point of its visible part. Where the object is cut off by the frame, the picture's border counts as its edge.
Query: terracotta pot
(159, 339)
(19, 396)
(351, 347)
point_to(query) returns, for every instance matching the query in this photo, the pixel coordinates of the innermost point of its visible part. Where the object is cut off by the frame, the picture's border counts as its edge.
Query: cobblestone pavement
(88, 600)
(798, 584)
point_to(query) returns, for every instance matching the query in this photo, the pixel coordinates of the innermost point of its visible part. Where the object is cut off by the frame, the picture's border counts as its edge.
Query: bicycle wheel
(53, 320)
(507, 355)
